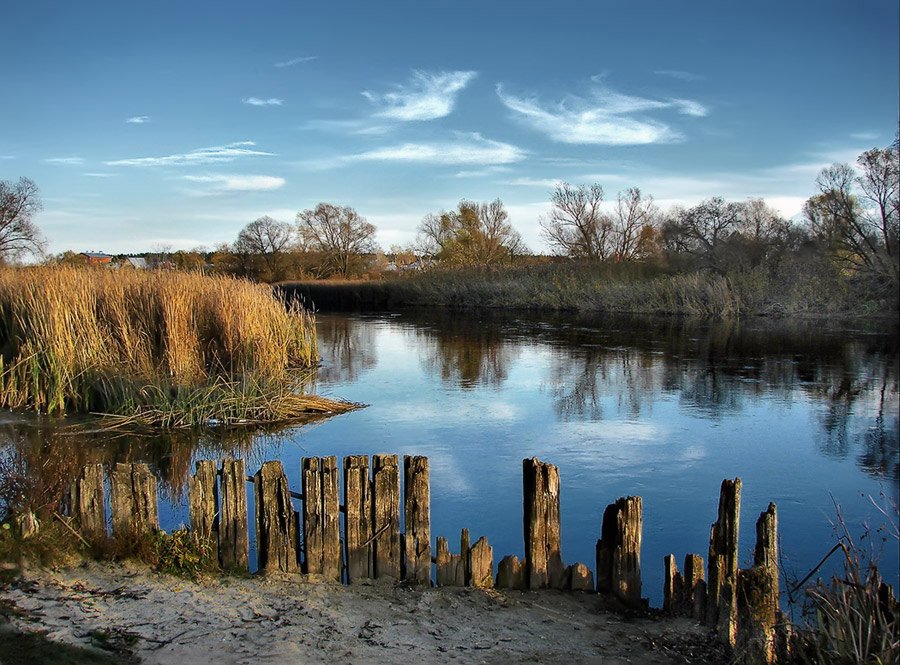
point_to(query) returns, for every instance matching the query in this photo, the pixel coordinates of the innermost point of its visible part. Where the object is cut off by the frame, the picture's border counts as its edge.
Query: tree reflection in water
(602, 368)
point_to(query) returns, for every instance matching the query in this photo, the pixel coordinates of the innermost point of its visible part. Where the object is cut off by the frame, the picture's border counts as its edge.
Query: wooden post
(766, 550)
(417, 520)
(511, 573)
(233, 537)
(276, 535)
(451, 570)
(694, 587)
(672, 586)
(203, 500)
(619, 551)
(721, 600)
(544, 566)
(386, 511)
(88, 503)
(466, 559)
(358, 529)
(321, 517)
(482, 557)
(757, 603)
(580, 577)
(133, 500)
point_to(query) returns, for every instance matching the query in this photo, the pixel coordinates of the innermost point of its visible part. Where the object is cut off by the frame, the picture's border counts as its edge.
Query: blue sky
(174, 124)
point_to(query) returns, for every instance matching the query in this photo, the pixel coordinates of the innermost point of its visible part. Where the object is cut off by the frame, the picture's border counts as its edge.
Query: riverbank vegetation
(157, 348)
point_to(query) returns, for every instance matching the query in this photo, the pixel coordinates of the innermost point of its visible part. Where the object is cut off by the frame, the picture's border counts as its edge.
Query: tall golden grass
(168, 347)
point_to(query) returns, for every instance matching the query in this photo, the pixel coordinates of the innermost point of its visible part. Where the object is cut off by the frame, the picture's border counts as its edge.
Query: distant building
(138, 262)
(97, 258)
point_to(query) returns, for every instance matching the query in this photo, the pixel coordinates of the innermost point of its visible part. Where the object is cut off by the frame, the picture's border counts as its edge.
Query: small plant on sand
(183, 553)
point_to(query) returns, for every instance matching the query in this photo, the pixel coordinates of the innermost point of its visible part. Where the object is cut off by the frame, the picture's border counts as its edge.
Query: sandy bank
(141, 616)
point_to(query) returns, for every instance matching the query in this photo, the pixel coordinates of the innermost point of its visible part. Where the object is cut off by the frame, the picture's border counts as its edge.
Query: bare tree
(860, 230)
(267, 240)
(339, 234)
(19, 203)
(633, 216)
(473, 234)
(704, 231)
(576, 226)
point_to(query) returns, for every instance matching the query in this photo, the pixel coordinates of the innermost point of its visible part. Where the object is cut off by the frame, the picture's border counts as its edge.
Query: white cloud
(138, 119)
(239, 183)
(690, 107)
(212, 155)
(865, 136)
(100, 175)
(66, 161)
(296, 61)
(471, 149)
(7, 156)
(608, 118)
(256, 101)
(426, 97)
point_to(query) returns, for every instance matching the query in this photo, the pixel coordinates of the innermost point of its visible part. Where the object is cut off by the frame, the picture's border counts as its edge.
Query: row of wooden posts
(368, 544)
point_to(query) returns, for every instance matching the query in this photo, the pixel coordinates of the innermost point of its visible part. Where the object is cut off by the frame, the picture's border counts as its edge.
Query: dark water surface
(806, 415)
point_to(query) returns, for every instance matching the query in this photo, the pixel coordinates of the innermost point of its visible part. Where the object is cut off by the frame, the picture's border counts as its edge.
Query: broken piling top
(619, 550)
(544, 566)
(723, 563)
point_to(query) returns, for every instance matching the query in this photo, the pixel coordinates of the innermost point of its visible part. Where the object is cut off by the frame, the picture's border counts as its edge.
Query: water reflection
(604, 369)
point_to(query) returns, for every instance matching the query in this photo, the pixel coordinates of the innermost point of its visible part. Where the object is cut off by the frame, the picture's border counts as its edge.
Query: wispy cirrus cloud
(238, 183)
(607, 117)
(65, 161)
(138, 120)
(7, 156)
(296, 61)
(100, 175)
(679, 74)
(258, 101)
(200, 156)
(351, 127)
(468, 149)
(427, 96)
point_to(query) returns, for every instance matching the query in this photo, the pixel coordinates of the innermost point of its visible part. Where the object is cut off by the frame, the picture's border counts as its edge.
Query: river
(806, 415)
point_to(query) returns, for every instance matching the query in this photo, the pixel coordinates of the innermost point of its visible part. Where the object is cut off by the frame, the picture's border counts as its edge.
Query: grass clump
(183, 553)
(167, 348)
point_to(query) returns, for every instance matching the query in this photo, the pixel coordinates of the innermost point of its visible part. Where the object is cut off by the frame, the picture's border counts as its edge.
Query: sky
(172, 125)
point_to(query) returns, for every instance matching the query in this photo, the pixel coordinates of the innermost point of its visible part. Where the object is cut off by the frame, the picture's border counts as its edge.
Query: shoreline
(135, 615)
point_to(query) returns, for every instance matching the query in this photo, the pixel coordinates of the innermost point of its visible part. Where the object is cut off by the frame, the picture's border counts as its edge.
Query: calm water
(806, 416)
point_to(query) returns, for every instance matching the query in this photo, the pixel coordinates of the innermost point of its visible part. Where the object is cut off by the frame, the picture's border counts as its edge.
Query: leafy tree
(19, 203)
(477, 234)
(340, 235)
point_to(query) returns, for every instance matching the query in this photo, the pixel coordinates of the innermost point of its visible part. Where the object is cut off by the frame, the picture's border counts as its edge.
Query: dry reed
(169, 348)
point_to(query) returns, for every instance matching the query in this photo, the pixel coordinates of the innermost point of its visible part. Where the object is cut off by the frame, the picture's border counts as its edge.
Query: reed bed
(162, 348)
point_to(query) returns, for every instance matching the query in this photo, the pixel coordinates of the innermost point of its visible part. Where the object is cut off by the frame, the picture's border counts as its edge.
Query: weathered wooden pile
(361, 538)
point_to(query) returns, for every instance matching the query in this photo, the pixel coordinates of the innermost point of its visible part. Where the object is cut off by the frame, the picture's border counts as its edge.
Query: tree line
(850, 225)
